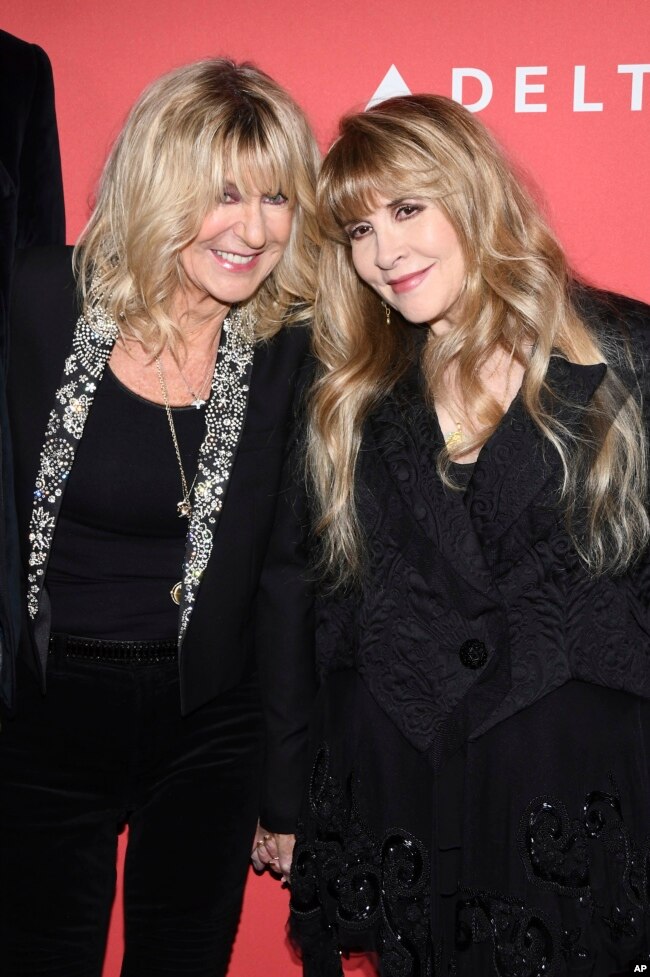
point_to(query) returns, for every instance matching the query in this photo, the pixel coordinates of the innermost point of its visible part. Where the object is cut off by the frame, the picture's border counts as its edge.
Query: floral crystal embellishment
(94, 336)
(95, 333)
(224, 420)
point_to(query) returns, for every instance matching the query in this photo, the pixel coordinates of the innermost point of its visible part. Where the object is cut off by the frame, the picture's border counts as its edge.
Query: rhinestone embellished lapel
(94, 336)
(224, 420)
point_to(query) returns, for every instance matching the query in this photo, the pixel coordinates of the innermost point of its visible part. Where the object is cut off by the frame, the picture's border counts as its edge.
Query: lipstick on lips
(407, 282)
(233, 261)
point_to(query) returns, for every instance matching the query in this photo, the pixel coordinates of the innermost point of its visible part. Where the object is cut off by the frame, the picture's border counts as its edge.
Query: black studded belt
(112, 652)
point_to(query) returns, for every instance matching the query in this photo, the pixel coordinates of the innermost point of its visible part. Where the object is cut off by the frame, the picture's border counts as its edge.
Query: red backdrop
(566, 86)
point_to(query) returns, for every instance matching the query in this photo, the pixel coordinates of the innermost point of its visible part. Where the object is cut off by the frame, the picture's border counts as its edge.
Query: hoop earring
(386, 312)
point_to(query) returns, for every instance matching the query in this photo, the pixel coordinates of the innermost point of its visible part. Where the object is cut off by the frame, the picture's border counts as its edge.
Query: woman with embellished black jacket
(479, 801)
(168, 623)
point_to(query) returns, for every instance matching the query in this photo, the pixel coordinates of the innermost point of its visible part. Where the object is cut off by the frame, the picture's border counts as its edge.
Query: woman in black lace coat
(480, 798)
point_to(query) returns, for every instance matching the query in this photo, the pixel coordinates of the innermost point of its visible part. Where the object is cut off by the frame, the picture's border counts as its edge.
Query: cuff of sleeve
(278, 821)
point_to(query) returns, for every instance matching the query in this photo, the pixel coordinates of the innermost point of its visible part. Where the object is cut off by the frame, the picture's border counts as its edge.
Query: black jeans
(107, 746)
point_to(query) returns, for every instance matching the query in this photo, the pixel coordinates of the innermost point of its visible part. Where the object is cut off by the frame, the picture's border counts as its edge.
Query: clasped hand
(273, 851)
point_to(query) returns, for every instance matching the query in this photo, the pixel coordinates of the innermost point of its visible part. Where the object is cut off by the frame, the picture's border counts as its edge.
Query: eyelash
(354, 233)
(275, 199)
(413, 209)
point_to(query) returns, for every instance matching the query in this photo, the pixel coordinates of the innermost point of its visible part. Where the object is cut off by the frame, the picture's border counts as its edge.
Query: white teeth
(235, 259)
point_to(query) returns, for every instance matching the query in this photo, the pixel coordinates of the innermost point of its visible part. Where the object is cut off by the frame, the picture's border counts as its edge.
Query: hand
(273, 851)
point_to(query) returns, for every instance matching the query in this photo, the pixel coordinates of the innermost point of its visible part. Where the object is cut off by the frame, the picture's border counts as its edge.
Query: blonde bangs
(516, 298)
(259, 162)
(190, 134)
(254, 162)
(365, 165)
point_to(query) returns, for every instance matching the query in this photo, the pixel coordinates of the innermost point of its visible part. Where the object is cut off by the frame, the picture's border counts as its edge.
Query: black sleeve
(9, 563)
(285, 639)
(41, 215)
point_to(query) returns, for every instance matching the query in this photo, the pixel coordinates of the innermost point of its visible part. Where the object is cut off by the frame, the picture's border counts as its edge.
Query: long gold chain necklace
(184, 507)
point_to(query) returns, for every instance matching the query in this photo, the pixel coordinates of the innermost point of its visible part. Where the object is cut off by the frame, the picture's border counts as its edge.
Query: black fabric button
(473, 653)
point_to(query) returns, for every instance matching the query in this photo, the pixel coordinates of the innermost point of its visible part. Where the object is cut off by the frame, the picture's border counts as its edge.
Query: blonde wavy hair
(189, 133)
(515, 298)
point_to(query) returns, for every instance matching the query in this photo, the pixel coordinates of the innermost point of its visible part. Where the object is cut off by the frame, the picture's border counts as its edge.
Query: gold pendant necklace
(454, 439)
(184, 507)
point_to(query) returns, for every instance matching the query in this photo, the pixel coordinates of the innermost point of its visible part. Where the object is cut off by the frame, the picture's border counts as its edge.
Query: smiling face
(238, 245)
(409, 253)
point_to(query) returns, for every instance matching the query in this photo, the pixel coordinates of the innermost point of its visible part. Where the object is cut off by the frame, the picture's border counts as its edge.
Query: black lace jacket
(473, 608)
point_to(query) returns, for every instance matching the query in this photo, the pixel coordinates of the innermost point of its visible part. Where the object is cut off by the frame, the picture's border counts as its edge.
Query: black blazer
(31, 212)
(31, 187)
(252, 600)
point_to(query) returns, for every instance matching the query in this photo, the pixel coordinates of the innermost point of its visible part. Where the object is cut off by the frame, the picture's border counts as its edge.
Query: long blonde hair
(515, 297)
(188, 133)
